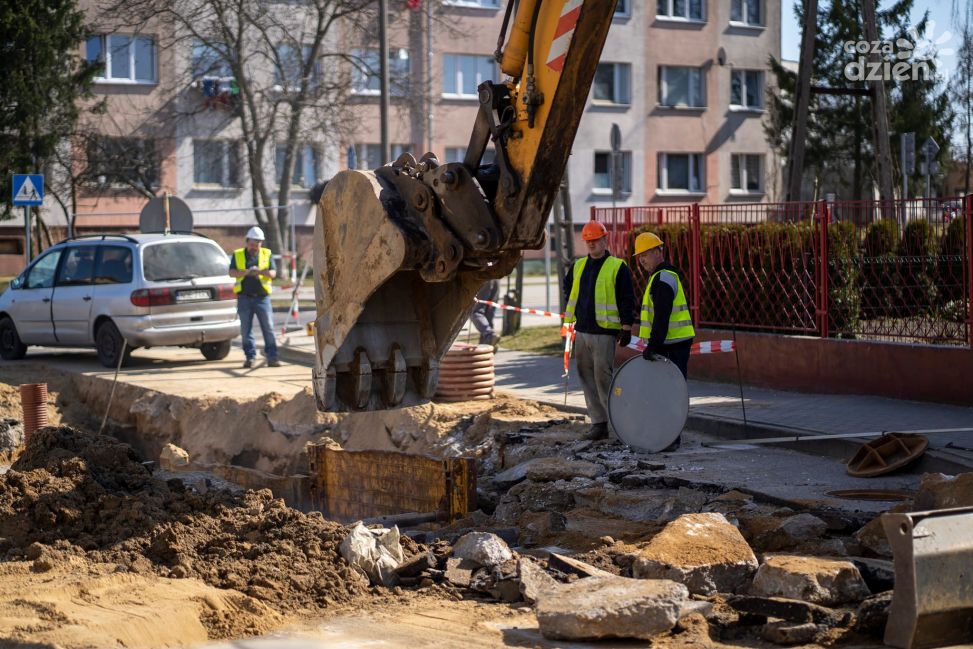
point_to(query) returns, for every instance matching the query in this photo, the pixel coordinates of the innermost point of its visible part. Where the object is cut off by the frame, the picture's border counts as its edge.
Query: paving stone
(786, 633)
(821, 581)
(552, 469)
(703, 551)
(482, 547)
(533, 580)
(610, 607)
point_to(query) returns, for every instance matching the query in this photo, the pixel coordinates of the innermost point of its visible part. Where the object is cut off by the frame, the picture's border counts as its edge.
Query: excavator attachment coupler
(393, 288)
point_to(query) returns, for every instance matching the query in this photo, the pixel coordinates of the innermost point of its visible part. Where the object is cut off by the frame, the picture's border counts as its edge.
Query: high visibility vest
(606, 309)
(263, 263)
(680, 321)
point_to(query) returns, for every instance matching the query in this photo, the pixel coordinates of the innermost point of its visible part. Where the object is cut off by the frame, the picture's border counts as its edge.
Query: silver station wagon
(147, 290)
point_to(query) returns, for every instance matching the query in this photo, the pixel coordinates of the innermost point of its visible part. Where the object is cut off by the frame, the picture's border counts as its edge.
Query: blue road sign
(28, 189)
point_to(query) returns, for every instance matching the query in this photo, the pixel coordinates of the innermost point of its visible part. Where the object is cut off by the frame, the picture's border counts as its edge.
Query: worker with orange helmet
(600, 300)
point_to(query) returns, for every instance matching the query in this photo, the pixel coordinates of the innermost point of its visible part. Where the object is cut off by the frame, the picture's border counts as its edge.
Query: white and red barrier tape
(705, 347)
(507, 307)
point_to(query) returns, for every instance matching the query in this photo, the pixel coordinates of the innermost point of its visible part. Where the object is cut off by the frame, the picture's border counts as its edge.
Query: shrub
(844, 297)
(951, 252)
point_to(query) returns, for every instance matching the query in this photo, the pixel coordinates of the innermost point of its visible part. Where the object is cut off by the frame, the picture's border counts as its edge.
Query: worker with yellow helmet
(600, 299)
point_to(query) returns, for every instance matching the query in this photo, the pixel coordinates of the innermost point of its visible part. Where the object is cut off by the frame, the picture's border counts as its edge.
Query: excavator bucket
(382, 326)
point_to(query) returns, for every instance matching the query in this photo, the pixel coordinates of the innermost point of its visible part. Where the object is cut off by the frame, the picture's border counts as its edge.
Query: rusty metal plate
(351, 485)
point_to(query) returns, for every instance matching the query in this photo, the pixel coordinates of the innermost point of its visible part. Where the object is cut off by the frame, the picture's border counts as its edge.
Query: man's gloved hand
(649, 353)
(624, 337)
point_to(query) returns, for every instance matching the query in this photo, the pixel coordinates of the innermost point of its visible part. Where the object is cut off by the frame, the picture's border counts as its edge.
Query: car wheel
(108, 344)
(11, 349)
(215, 351)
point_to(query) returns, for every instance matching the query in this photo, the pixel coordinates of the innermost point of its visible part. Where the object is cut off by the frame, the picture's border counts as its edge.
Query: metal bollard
(33, 402)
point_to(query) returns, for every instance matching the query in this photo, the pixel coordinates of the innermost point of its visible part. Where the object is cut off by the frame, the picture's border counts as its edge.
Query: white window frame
(398, 79)
(626, 173)
(697, 82)
(226, 163)
(744, 20)
(621, 79)
(106, 59)
(623, 9)
(458, 80)
(743, 173)
(744, 75)
(671, 15)
(697, 181)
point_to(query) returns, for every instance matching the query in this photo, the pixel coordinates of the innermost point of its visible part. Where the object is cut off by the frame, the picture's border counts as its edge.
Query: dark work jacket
(585, 311)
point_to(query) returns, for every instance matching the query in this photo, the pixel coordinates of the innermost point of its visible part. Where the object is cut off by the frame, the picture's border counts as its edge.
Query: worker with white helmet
(254, 269)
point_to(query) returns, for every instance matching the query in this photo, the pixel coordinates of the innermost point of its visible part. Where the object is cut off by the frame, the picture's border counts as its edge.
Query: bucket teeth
(395, 377)
(355, 385)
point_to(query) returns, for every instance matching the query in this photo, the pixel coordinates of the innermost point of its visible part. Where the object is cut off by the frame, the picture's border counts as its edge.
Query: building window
(124, 58)
(746, 89)
(611, 84)
(602, 178)
(745, 173)
(216, 163)
(305, 172)
(746, 12)
(457, 153)
(681, 86)
(462, 73)
(482, 4)
(679, 9)
(622, 9)
(208, 61)
(369, 156)
(681, 172)
(289, 71)
(366, 77)
(121, 161)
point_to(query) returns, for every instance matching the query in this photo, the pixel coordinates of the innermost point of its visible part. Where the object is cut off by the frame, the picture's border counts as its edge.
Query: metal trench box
(352, 485)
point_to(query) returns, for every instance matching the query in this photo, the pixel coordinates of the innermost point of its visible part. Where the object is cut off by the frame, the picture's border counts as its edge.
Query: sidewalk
(715, 408)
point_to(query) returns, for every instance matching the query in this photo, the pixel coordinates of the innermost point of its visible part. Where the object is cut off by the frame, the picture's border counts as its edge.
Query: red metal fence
(841, 269)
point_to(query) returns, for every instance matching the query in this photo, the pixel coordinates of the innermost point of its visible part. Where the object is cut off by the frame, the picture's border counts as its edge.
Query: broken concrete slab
(417, 565)
(552, 469)
(459, 572)
(794, 531)
(610, 607)
(575, 567)
(533, 580)
(820, 581)
(11, 433)
(787, 633)
(172, 457)
(939, 491)
(872, 614)
(879, 575)
(482, 547)
(702, 551)
(509, 477)
(791, 610)
(872, 535)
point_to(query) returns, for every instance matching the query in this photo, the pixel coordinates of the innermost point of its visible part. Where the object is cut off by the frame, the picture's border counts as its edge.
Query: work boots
(597, 431)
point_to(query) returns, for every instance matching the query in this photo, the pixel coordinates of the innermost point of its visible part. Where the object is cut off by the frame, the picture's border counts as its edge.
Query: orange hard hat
(593, 230)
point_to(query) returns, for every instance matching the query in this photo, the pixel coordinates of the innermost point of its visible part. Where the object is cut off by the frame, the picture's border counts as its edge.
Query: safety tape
(568, 333)
(705, 347)
(507, 307)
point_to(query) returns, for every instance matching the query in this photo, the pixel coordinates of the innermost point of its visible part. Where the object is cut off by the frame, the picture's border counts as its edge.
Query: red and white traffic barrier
(705, 347)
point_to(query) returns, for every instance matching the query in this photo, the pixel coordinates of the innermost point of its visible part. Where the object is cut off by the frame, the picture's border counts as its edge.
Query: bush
(952, 249)
(844, 270)
(881, 293)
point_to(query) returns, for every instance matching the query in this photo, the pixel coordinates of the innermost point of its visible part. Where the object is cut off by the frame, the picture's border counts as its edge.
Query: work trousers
(594, 355)
(678, 353)
(482, 316)
(247, 307)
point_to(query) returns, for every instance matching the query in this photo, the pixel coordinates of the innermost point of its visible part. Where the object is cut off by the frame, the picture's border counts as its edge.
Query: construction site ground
(598, 501)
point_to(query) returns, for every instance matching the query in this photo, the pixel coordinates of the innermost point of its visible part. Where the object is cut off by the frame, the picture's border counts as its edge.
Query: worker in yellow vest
(600, 300)
(254, 269)
(666, 324)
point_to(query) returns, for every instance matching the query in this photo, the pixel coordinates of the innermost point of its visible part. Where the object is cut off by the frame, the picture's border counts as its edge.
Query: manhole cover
(890, 495)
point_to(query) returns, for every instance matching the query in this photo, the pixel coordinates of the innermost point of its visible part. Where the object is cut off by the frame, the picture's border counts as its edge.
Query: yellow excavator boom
(399, 252)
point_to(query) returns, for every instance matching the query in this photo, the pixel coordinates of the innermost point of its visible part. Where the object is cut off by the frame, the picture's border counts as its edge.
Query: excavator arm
(400, 252)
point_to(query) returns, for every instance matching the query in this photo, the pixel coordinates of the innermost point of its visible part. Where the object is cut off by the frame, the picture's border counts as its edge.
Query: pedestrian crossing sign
(28, 189)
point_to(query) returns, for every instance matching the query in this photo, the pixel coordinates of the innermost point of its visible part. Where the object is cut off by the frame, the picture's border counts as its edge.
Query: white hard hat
(255, 233)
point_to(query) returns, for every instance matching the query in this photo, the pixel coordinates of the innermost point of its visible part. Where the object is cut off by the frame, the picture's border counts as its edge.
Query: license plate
(192, 296)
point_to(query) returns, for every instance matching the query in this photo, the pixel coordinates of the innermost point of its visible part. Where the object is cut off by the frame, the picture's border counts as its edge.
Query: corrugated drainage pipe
(466, 373)
(33, 401)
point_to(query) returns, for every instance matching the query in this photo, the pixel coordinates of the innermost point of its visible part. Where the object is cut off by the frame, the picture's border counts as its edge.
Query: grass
(536, 340)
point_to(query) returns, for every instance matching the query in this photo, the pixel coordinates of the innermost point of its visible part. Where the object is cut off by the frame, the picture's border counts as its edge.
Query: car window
(114, 265)
(78, 266)
(183, 260)
(41, 274)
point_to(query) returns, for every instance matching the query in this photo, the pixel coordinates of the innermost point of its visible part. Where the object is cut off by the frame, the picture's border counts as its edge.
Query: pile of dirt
(73, 494)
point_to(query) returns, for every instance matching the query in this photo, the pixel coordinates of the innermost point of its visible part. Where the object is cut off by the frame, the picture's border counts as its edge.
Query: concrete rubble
(172, 457)
(702, 551)
(610, 607)
(482, 548)
(820, 581)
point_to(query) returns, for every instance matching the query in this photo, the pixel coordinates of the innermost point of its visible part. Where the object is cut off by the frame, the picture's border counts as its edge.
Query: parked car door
(73, 291)
(30, 308)
(113, 284)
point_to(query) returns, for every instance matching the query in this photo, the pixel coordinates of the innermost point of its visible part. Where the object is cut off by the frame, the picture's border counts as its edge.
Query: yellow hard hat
(646, 241)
